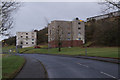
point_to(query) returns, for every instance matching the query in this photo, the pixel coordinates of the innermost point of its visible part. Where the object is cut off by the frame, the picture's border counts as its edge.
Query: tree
(111, 5)
(58, 36)
(103, 32)
(42, 38)
(115, 6)
(10, 41)
(6, 20)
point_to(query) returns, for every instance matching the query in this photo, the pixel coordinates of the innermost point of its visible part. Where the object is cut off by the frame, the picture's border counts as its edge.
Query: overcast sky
(34, 15)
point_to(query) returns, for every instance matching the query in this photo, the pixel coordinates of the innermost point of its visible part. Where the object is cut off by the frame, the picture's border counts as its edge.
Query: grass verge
(76, 51)
(11, 65)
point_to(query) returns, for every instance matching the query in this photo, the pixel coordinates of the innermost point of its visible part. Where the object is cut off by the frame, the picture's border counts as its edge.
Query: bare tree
(111, 5)
(6, 20)
(58, 36)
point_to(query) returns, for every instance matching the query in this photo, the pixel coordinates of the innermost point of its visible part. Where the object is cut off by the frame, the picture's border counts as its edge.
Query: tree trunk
(59, 46)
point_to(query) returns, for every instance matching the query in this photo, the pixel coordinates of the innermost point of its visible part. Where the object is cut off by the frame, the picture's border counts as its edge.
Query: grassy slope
(11, 64)
(103, 52)
(0, 66)
(14, 50)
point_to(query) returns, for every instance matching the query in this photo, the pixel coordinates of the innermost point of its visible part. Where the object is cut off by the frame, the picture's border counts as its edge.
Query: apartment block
(112, 14)
(68, 33)
(26, 39)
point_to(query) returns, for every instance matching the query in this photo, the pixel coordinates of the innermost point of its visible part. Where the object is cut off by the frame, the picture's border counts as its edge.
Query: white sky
(33, 15)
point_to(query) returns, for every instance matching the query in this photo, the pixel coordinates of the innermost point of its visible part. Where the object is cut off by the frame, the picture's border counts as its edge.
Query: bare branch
(5, 13)
(110, 5)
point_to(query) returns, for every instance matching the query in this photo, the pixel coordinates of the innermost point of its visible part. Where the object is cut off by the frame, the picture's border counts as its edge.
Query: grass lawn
(0, 66)
(7, 48)
(11, 64)
(102, 52)
(91, 51)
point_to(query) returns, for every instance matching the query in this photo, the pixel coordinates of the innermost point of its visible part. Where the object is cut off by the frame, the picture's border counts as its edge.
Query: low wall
(71, 43)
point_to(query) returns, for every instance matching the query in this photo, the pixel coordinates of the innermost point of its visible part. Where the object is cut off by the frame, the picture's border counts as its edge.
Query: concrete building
(69, 33)
(26, 39)
(112, 14)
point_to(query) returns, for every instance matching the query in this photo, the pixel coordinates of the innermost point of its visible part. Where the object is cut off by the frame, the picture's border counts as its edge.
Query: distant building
(70, 33)
(26, 39)
(112, 14)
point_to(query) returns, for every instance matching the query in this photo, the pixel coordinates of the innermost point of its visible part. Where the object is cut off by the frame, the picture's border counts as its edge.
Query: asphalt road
(69, 67)
(32, 69)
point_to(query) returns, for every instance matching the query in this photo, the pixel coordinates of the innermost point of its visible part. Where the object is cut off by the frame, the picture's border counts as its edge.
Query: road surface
(69, 67)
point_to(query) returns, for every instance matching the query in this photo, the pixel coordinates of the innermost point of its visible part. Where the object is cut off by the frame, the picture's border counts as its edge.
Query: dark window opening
(77, 18)
(68, 32)
(26, 36)
(26, 42)
(21, 42)
(79, 39)
(26, 33)
(79, 28)
(68, 38)
(79, 34)
(79, 23)
(21, 36)
(32, 42)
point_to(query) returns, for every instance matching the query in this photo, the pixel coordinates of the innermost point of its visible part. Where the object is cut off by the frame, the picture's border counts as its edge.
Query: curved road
(69, 67)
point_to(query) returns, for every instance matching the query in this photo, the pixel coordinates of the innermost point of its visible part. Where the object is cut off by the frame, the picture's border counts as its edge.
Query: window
(26, 36)
(79, 38)
(26, 33)
(79, 28)
(21, 36)
(68, 33)
(32, 39)
(77, 18)
(21, 43)
(68, 38)
(26, 42)
(79, 34)
(32, 42)
(79, 23)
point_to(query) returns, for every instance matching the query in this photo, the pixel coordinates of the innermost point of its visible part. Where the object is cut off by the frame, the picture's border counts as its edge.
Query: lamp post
(48, 43)
(86, 50)
(17, 49)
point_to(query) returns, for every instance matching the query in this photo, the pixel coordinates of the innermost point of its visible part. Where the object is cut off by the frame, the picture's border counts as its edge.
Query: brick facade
(73, 43)
(71, 33)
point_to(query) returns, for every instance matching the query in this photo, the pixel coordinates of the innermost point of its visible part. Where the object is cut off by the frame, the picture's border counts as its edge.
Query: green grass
(10, 65)
(7, 48)
(14, 50)
(102, 52)
(91, 51)
(0, 66)
(43, 46)
(22, 50)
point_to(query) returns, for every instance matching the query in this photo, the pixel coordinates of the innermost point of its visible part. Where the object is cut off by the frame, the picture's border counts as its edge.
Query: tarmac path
(68, 67)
